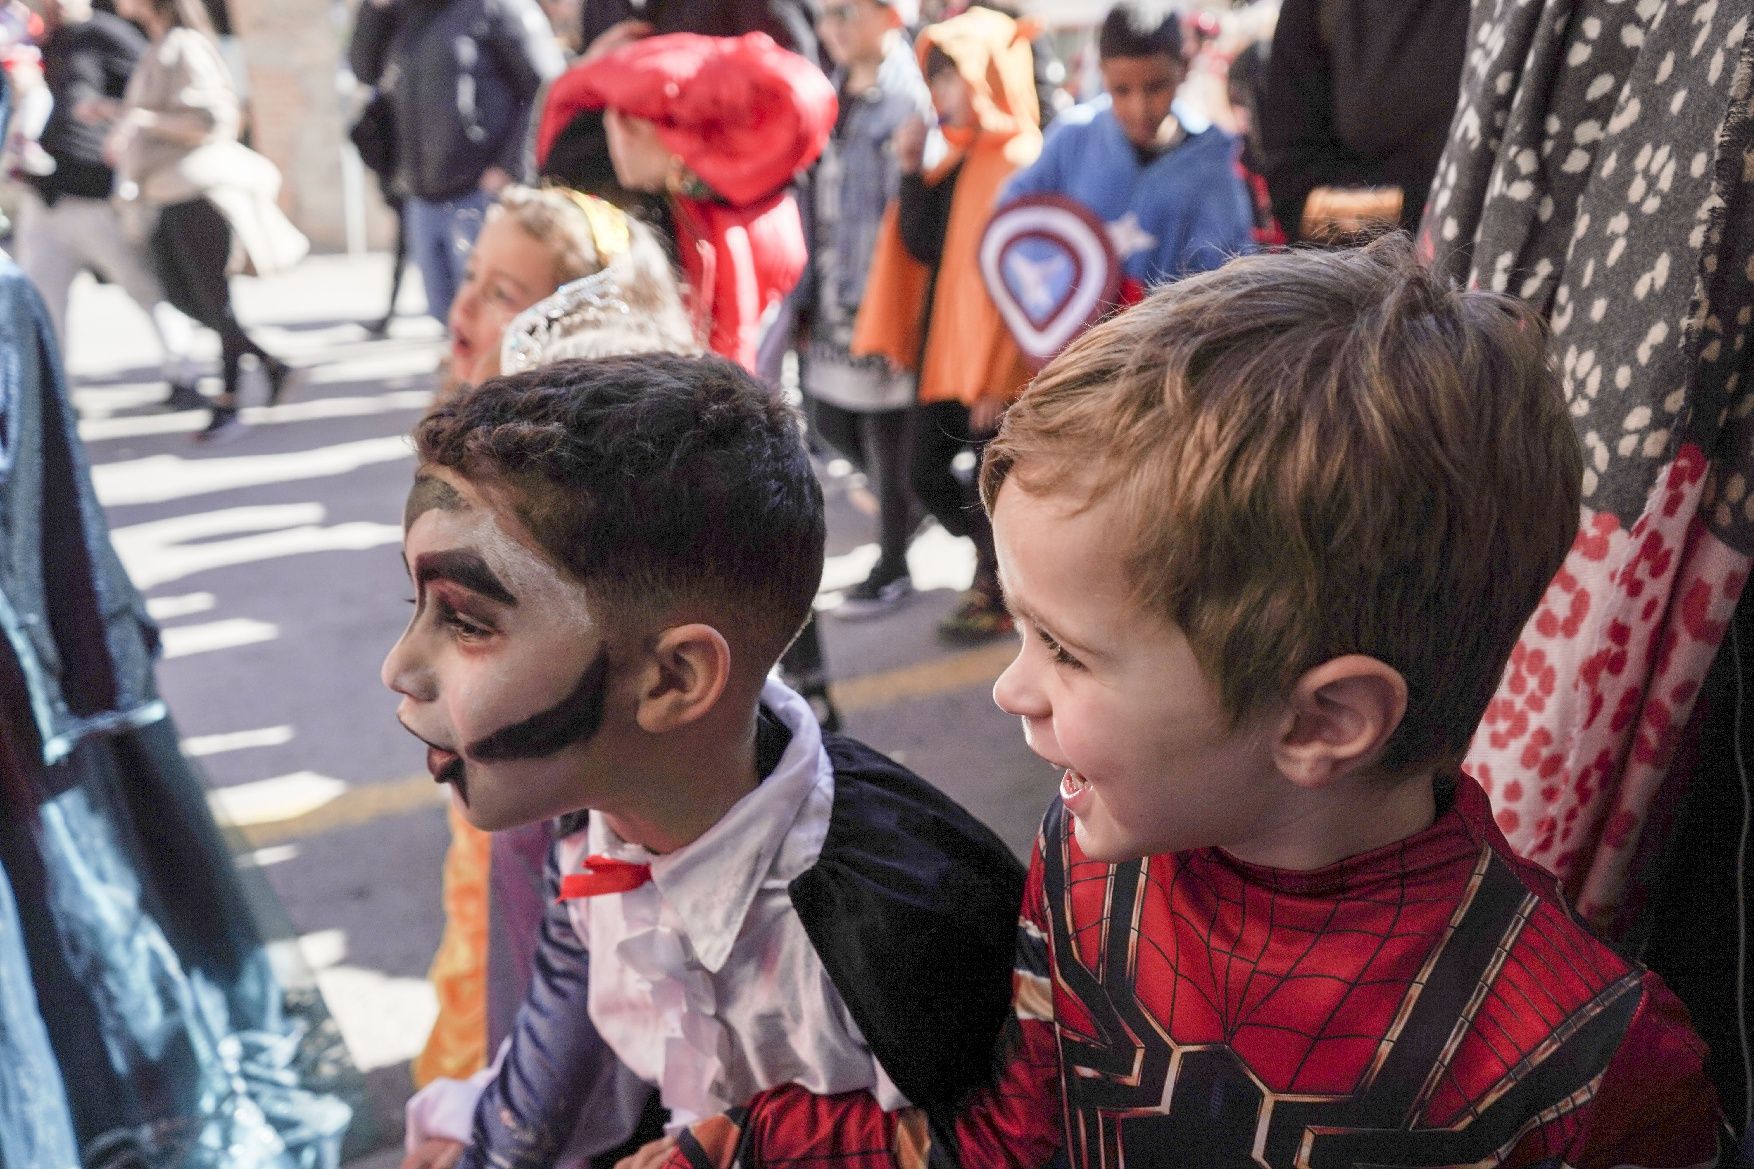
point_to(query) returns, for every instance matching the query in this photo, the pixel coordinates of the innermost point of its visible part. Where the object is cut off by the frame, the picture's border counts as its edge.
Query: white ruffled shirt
(703, 981)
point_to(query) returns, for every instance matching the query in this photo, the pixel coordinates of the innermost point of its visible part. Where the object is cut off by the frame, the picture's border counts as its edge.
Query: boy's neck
(699, 776)
(862, 71)
(1358, 814)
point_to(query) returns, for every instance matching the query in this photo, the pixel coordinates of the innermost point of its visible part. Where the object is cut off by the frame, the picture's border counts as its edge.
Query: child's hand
(651, 1156)
(119, 140)
(436, 1153)
(984, 415)
(96, 110)
(908, 144)
(622, 32)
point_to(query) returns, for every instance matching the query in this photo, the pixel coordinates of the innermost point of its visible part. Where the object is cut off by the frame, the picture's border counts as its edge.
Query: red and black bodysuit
(1429, 1003)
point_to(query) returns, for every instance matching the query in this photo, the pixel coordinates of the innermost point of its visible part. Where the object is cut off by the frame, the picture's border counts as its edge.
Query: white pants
(54, 243)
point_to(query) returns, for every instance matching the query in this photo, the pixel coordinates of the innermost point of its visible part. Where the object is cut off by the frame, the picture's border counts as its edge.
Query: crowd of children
(1268, 541)
(1268, 534)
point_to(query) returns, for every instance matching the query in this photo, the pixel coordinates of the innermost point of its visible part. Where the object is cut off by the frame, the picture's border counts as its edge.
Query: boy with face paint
(608, 557)
(1158, 173)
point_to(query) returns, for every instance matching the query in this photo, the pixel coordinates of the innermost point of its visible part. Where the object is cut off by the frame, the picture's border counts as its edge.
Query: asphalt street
(272, 563)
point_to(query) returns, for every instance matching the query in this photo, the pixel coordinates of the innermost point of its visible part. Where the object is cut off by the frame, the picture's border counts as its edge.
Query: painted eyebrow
(466, 568)
(430, 492)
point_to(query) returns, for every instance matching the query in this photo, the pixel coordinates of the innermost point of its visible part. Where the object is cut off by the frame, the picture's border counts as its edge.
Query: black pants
(190, 247)
(941, 432)
(880, 444)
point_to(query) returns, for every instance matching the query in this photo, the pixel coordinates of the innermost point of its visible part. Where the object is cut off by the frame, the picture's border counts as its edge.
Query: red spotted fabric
(1597, 169)
(1426, 1004)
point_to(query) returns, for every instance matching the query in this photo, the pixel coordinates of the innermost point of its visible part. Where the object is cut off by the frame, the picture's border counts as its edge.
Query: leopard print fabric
(1599, 166)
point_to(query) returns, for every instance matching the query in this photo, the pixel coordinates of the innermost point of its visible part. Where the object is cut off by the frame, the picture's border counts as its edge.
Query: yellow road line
(356, 806)
(364, 804)
(973, 667)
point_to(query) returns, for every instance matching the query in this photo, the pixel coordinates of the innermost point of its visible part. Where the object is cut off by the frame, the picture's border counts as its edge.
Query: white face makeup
(503, 669)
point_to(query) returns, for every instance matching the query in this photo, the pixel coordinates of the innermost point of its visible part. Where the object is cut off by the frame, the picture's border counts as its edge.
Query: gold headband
(611, 233)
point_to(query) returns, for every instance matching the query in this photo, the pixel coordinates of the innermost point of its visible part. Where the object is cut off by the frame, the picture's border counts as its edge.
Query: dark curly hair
(674, 488)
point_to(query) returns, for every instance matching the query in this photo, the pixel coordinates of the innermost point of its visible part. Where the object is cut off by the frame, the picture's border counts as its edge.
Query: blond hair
(644, 279)
(1316, 454)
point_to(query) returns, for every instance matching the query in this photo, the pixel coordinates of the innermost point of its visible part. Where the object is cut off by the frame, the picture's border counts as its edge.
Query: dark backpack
(374, 134)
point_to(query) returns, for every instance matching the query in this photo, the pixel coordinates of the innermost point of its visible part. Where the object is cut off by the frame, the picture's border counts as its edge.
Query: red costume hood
(742, 113)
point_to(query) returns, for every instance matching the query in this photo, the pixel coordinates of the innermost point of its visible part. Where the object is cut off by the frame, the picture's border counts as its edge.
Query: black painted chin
(573, 720)
(457, 776)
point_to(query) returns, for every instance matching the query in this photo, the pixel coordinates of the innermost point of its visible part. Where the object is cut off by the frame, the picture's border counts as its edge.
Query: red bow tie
(604, 874)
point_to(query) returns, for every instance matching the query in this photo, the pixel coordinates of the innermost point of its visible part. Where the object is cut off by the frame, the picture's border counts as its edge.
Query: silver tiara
(585, 303)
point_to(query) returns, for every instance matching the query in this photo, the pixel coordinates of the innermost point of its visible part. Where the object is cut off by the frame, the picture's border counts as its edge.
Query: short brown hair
(671, 487)
(1321, 453)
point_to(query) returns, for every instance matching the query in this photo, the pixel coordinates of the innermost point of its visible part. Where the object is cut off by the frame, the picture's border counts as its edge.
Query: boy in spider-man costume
(1269, 538)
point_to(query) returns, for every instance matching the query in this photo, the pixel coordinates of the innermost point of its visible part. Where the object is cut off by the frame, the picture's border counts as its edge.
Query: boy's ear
(684, 676)
(1338, 719)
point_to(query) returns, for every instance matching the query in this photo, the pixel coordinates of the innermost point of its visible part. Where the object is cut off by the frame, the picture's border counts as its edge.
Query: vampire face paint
(574, 720)
(430, 492)
(504, 672)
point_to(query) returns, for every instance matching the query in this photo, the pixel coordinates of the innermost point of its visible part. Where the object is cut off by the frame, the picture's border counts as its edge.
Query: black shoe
(224, 426)
(874, 596)
(184, 396)
(279, 374)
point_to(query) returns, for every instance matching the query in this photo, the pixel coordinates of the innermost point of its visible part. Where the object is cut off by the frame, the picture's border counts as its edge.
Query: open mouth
(461, 350)
(447, 767)
(1075, 793)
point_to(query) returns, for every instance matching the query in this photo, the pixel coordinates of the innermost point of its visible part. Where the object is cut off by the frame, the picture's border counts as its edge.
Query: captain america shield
(1051, 270)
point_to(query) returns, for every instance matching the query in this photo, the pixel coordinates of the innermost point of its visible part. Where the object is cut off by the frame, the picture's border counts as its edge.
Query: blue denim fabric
(440, 234)
(128, 936)
(35, 1127)
(868, 176)
(74, 622)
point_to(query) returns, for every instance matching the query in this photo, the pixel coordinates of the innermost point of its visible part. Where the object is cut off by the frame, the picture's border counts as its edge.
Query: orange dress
(457, 1047)
(968, 354)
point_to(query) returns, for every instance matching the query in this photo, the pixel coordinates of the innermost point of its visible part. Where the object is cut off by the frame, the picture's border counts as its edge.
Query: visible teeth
(1071, 783)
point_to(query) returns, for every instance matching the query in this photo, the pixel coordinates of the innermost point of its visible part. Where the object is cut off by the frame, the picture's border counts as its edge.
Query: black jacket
(92, 58)
(1360, 93)
(791, 23)
(463, 75)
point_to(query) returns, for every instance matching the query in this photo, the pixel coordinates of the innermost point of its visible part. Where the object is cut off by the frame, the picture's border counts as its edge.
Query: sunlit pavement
(272, 563)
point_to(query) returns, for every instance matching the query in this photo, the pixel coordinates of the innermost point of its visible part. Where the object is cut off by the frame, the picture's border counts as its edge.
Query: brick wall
(293, 50)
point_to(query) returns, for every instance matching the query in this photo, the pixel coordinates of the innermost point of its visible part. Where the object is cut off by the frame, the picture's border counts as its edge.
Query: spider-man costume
(1428, 1003)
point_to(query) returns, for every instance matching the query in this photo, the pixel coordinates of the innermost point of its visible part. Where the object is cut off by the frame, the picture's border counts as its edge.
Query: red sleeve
(1013, 1124)
(738, 262)
(1655, 1106)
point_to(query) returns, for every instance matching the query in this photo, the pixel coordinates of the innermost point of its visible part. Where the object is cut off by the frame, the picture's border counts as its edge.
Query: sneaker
(280, 375)
(224, 426)
(184, 396)
(869, 598)
(979, 616)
